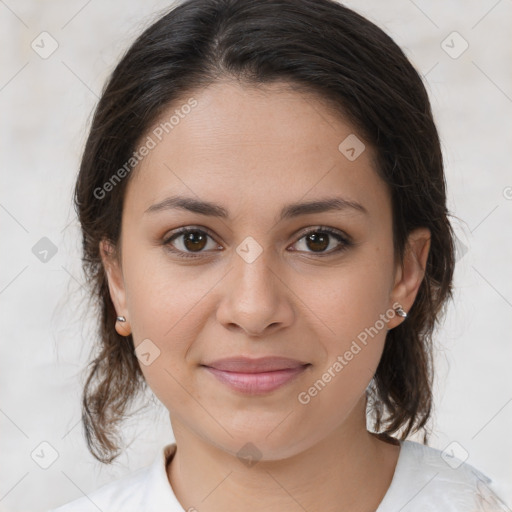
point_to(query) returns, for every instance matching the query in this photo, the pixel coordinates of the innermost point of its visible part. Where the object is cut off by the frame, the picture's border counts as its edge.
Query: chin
(257, 445)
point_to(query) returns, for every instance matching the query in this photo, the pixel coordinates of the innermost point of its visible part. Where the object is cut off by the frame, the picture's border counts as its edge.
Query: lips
(255, 376)
(260, 365)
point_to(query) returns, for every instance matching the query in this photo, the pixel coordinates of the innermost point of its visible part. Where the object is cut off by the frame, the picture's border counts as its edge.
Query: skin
(253, 151)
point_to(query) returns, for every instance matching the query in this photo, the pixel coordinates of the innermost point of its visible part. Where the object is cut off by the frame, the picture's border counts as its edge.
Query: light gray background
(45, 109)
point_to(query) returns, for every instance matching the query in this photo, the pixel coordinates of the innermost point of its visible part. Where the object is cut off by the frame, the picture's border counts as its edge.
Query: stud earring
(122, 327)
(401, 312)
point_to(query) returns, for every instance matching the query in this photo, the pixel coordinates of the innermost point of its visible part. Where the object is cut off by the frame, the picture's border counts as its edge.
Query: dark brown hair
(315, 45)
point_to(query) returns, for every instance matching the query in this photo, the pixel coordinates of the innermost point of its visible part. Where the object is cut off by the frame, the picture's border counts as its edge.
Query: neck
(350, 469)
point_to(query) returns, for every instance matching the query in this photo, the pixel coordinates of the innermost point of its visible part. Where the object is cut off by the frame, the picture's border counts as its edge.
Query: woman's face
(259, 276)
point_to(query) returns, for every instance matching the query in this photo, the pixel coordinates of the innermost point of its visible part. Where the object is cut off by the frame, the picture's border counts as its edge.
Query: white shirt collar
(159, 494)
(422, 481)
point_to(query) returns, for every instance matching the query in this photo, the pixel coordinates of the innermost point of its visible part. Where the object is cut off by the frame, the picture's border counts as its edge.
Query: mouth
(256, 376)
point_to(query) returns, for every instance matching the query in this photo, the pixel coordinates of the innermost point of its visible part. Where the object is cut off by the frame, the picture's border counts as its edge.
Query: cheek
(162, 296)
(353, 305)
(355, 310)
(351, 298)
(169, 305)
(353, 344)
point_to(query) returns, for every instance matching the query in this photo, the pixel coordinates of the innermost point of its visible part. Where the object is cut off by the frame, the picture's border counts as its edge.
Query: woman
(263, 208)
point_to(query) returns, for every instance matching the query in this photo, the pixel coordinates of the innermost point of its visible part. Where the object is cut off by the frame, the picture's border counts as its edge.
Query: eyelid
(176, 233)
(340, 235)
(324, 229)
(185, 229)
(344, 240)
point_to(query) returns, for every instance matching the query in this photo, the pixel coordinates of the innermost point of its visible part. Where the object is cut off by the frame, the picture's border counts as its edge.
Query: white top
(422, 482)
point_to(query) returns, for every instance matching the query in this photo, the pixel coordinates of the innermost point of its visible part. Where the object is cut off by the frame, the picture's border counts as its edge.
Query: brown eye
(194, 240)
(187, 241)
(319, 240)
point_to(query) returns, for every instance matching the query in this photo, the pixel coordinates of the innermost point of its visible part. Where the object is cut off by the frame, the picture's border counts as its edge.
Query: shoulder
(427, 479)
(115, 496)
(138, 491)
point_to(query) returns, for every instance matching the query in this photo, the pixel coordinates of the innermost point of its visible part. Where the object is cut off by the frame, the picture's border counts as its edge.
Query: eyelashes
(195, 240)
(198, 238)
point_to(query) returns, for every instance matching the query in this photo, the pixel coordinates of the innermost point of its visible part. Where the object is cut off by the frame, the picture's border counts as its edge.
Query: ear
(410, 272)
(116, 285)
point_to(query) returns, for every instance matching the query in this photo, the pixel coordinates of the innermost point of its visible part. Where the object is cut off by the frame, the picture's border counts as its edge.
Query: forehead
(253, 146)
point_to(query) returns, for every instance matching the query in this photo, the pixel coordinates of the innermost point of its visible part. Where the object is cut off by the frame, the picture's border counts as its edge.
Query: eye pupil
(196, 239)
(319, 240)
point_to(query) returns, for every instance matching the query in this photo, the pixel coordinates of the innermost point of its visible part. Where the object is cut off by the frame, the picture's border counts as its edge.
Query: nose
(256, 299)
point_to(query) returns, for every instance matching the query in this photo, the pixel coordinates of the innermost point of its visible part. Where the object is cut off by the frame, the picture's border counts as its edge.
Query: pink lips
(256, 376)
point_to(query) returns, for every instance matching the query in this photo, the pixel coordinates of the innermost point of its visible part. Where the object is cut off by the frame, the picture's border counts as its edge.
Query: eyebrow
(289, 211)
